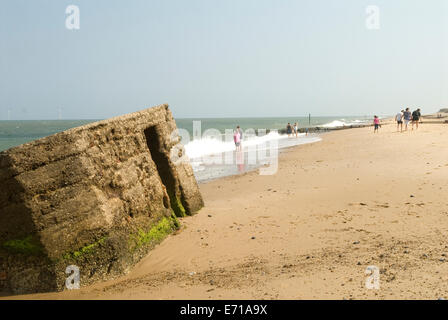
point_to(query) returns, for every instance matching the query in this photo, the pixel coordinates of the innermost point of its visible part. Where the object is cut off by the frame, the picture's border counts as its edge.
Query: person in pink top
(237, 139)
(376, 122)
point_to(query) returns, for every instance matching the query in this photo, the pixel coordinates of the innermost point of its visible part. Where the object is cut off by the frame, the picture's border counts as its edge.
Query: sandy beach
(335, 207)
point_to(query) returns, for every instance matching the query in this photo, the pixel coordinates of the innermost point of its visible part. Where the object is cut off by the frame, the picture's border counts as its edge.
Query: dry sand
(335, 207)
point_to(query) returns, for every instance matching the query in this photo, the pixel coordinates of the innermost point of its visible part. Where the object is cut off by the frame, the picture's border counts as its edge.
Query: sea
(208, 142)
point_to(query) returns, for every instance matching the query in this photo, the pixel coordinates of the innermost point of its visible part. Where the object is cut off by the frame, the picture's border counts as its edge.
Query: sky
(222, 58)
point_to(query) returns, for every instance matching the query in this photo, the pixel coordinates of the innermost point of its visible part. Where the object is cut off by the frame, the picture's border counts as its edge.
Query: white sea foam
(214, 157)
(343, 123)
(212, 145)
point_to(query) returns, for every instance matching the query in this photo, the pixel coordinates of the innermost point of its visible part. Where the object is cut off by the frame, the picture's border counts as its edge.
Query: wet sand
(335, 207)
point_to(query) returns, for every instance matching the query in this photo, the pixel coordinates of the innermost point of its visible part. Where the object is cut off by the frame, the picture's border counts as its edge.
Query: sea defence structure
(94, 198)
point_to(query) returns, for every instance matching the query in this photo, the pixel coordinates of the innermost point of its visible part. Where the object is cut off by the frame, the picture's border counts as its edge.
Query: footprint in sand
(362, 204)
(420, 204)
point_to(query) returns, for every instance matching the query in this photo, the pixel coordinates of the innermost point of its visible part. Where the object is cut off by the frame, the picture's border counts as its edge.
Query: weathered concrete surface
(97, 196)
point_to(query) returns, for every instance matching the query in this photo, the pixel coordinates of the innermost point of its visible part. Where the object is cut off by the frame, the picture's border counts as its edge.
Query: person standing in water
(399, 119)
(296, 129)
(240, 131)
(289, 129)
(376, 122)
(237, 138)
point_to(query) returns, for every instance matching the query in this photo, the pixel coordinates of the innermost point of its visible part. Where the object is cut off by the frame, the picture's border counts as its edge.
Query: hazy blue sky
(221, 58)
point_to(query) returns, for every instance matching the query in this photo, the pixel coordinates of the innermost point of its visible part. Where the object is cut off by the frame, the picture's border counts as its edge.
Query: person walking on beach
(296, 129)
(289, 129)
(416, 118)
(399, 119)
(237, 139)
(407, 118)
(376, 122)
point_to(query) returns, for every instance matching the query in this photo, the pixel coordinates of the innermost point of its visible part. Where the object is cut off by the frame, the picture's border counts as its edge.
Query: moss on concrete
(177, 207)
(27, 245)
(87, 249)
(155, 234)
(175, 221)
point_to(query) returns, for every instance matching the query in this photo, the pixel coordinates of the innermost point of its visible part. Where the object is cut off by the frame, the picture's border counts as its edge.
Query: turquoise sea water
(17, 132)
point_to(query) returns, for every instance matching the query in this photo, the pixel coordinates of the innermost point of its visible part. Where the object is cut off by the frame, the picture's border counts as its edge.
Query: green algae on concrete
(155, 234)
(27, 245)
(90, 248)
(177, 206)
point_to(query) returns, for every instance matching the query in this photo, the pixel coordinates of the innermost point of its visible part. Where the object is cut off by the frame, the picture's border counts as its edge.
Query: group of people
(292, 130)
(407, 117)
(404, 116)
